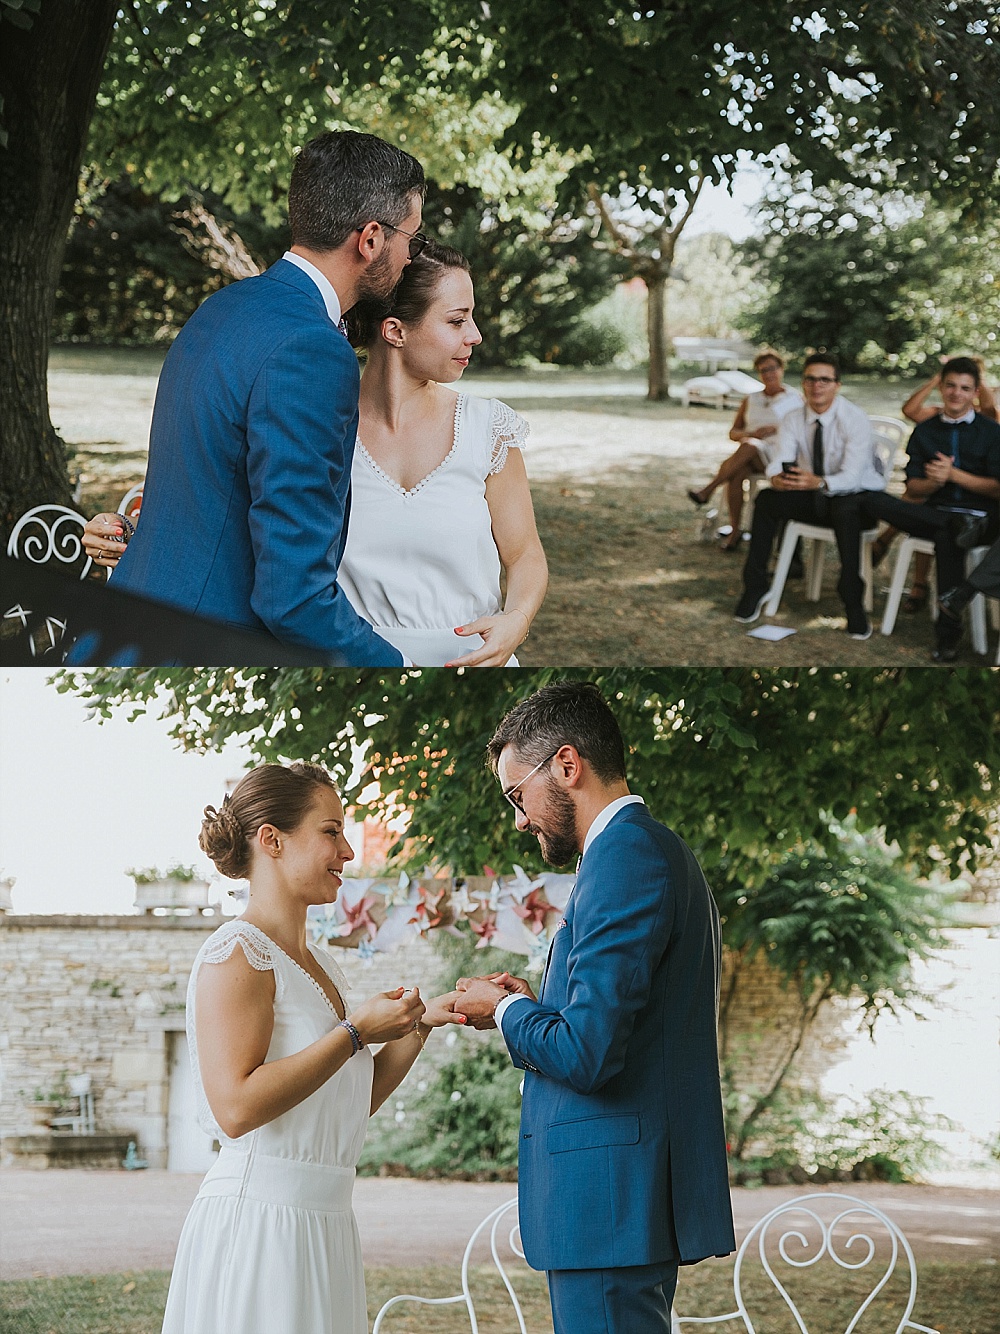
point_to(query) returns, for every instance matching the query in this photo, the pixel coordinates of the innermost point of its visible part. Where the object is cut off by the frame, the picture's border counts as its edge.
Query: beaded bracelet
(128, 526)
(354, 1035)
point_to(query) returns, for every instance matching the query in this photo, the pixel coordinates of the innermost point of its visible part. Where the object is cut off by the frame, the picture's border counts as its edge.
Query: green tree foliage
(130, 275)
(534, 278)
(886, 282)
(882, 93)
(739, 762)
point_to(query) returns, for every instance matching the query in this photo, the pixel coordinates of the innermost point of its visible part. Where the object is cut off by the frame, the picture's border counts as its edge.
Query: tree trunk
(659, 378)
(49, 77)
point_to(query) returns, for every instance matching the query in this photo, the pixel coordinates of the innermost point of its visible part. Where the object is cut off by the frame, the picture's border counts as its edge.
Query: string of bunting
(514, 913)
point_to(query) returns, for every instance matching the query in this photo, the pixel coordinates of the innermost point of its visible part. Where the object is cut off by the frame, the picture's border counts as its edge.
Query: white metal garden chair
(50, 533)
(821, 1240)
(494, 1222)
(131, 501)
(813, 1238)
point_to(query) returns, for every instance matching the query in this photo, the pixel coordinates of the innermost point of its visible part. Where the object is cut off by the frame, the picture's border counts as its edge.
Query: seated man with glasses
(825, 458)
(953, 465)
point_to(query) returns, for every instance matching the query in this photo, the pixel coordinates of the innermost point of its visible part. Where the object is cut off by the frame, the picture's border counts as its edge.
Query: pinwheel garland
(485, 930)
(533, 910)
(357, 917)
(426, 914)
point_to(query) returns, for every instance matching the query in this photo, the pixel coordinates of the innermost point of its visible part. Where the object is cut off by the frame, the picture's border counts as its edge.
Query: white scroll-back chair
(798, 1234)
(43, 535)
(822, 1223)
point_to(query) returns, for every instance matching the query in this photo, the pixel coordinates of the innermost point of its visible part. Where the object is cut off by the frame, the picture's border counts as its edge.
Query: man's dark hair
(343, 180)
(822, 359)
(962, 366)
(573, 713)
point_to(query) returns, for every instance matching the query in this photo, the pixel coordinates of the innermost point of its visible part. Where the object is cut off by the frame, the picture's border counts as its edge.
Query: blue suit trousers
(635, 1299)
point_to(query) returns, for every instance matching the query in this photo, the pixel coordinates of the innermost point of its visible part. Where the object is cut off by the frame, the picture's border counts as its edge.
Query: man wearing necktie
(824, 460)
(953, 467)
(622, 1163)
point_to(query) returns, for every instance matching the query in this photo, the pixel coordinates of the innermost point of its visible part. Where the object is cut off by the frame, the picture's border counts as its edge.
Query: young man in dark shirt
(954, 464)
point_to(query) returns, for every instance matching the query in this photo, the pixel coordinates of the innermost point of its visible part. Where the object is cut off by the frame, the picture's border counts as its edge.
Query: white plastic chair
(50, 533)
(897, 431)
(813, 1238)
(900, 574)
(820, 536)
(493, 1221)
(977, 607)
(908, 548)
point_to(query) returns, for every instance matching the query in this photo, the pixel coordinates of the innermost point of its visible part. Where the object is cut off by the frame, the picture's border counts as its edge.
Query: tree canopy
(742, 763)
(885, 281)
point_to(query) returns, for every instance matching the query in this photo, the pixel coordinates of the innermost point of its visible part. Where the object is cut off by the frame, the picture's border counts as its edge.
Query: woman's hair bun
(223, 840)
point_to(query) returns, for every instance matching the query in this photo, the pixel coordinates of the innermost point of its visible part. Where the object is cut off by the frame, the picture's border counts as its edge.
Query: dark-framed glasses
(513, 794)
(418, 241)
(819, 379)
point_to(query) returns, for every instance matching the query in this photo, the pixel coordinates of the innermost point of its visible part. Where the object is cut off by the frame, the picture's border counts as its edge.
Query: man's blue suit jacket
(244, 516)
(623, 1150)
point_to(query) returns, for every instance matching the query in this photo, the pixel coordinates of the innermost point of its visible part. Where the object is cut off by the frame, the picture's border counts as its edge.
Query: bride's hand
(104, 539)
(440, 1010)
(388, 1016)
(503, 635)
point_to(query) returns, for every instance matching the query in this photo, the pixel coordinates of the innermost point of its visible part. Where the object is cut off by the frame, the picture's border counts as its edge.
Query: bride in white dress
(440, 499)
(440, 504)
(285, 1080)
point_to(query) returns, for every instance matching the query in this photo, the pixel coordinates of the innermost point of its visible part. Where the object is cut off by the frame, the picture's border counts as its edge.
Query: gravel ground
(78, 1222)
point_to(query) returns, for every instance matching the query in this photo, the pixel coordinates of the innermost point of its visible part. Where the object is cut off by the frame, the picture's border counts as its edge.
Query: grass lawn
(631, 581)
(960, 1298)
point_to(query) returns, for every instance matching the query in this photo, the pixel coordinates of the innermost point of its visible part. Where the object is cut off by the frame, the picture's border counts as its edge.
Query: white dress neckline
(415, 490)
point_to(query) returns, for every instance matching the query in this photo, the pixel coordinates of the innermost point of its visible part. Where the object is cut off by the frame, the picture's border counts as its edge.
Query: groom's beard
(557, 840)
(379, 281)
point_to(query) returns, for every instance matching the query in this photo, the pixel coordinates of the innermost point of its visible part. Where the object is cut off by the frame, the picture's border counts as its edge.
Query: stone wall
(102, 995)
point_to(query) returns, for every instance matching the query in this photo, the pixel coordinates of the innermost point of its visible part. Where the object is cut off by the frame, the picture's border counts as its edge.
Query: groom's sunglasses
(418, 241)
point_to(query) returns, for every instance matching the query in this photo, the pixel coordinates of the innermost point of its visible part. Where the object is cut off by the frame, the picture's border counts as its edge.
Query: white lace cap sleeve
(254, 944)
(217, 949)
(508, 430)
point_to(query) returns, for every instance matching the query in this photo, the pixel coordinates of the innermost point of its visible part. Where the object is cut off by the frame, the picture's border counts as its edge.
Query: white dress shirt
(969, 417)
(598, 825)
(848, 447)
(326, 290)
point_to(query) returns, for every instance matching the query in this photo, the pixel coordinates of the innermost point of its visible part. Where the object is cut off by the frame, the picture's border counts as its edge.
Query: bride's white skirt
(270, 1246)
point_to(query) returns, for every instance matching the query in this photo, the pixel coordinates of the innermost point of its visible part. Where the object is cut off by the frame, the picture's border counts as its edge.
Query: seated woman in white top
(440, 499)
(440, 503)
(755, 429)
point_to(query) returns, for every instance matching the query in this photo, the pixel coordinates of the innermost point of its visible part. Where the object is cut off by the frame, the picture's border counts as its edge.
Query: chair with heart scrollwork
(46, 535)
(503, 1217)
(852, 1233)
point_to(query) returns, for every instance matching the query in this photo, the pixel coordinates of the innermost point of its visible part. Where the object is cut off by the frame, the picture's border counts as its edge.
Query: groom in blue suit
(247, 495)
(622, 1165)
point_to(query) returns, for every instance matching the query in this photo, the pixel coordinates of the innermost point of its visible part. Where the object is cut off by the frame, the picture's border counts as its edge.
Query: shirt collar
(604, 818)
(330, 298)
(970, 416)
(824, 417)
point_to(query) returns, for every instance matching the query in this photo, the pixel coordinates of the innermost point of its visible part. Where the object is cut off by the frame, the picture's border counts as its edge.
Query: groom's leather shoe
(968, 530)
